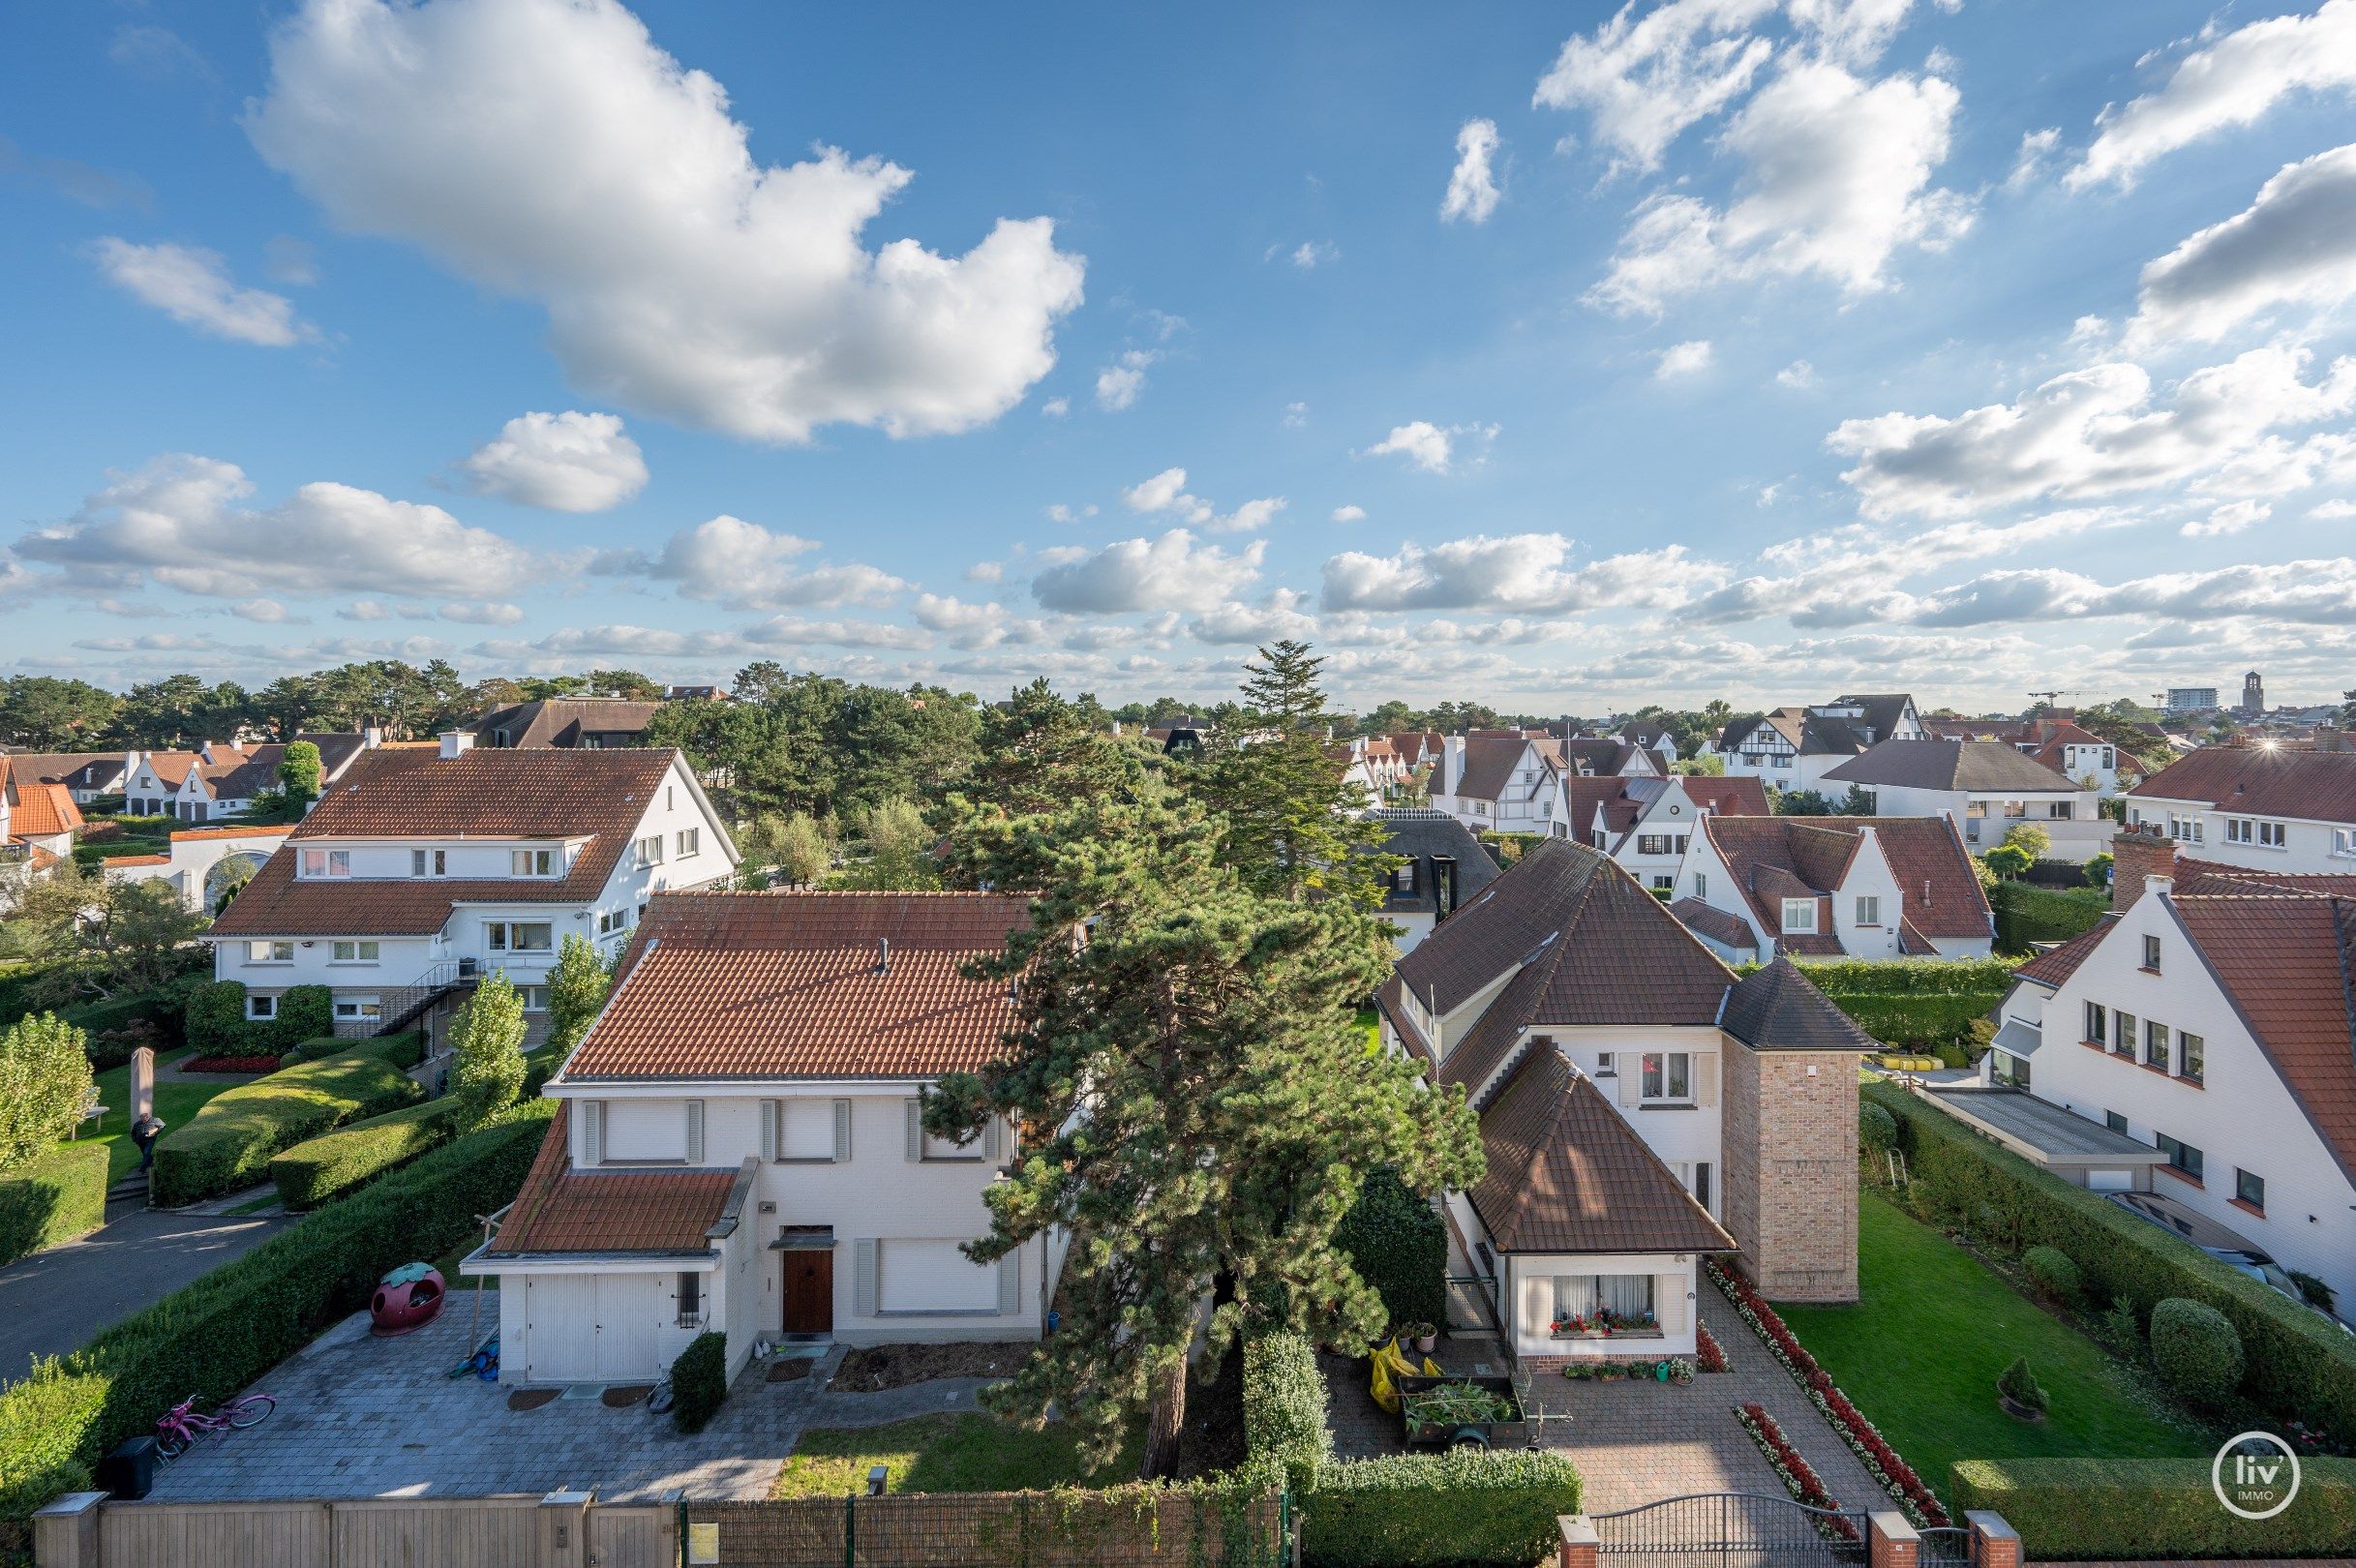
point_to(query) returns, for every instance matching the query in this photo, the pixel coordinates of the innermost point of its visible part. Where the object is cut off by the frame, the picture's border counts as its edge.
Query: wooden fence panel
(633, 1535)
(216, 1535)
(435, 1532)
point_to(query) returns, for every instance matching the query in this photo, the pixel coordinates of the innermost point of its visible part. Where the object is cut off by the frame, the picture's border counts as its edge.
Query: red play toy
(408, 1298)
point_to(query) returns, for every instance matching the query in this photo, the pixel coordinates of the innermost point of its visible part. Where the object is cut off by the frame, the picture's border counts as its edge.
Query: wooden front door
(809, 1290)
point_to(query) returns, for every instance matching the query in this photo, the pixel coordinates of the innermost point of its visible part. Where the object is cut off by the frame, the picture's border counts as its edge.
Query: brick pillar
(1579, 1545)
(1995, 1544)
(1891, 1542)
(2135, 856)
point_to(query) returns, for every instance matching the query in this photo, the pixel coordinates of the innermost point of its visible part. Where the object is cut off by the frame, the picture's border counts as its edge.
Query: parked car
(2227, 1247)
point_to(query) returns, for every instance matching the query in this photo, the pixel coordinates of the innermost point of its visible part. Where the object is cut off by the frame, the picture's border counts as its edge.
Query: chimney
(372, 738)
(2138, 857)
(455, 742)
(883, 956)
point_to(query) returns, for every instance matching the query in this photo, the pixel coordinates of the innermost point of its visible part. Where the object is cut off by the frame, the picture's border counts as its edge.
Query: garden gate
(1729, 1529)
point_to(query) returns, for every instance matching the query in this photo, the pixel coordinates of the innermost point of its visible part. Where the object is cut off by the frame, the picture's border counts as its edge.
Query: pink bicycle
(183, 1423)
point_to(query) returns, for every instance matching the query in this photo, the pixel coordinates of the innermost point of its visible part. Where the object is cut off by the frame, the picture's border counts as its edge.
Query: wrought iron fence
(1125, 1527)
(1945, 1543)
(1730, 1529)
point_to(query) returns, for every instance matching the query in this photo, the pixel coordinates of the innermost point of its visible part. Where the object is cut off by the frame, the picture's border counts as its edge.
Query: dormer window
(429, 862)
(535, 863)
(327, 862)
(1402, 879)
(1799, 916)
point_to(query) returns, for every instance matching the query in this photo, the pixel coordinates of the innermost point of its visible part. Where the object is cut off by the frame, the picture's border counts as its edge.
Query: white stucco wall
(2309, 845)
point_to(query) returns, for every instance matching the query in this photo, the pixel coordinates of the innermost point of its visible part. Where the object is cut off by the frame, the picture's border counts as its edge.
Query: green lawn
(176, 1104)
(946, 1453)
(1921, 1351)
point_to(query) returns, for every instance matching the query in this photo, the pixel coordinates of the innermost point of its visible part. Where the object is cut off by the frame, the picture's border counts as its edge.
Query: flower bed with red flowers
(1799, 1477)
(229, 1064)
(1881, 1461)
(1709, 1357)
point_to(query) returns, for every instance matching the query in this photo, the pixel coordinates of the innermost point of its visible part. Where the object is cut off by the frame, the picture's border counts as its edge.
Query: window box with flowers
(1605, 1324)
(1602, 1307)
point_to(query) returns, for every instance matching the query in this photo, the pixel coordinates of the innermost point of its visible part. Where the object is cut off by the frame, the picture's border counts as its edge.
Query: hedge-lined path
(362, 1417)
(1635, 1442)
(56, 1301)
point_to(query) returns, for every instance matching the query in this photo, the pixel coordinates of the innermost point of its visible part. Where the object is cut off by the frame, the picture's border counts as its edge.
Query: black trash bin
(128, 1474)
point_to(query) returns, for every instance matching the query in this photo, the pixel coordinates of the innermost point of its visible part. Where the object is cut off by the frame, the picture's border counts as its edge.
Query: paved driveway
(55, 1300)
(363, 1417)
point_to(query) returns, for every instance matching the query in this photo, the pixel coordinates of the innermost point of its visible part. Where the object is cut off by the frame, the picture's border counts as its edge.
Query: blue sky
(1561, 356)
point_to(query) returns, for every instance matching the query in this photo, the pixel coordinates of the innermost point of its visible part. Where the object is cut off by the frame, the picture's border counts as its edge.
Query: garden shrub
(1461, 1508)
(304, 1013)
(2027, 914)
(52, 1197)
(115, 1027)
(216, 1336)
(216, 1017)
(2053, 1272)
(699, 1381)
(1284, 1406)
(2020, 1385)
(1876, 1129)
(1399, 1245)
(355, 1154)
(230, 1142)
(45, 1086)
(2147, 1509)
(2298, 1363)
(2196, 1351)
(1931, 1002)
(217, 1024)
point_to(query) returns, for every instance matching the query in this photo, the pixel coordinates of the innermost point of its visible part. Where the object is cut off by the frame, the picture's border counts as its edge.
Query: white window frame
(327, 863)
(361, 953)
(2274, 835)
(648, 850)
(261, 1005)
(269, 953)
(533, 997)
(1661, 1074)
(500, 936)
(429, 862)
(690, 841)
(1792, 925)
(357, 1009)
(535, 863)
(1868, 909)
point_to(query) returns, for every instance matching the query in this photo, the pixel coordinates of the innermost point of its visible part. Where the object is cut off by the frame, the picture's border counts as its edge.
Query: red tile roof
(790, 986)
(42, 809)
(2317, 786)
(2053, 967)
(562, 1210)
(1774, 858)
(1568, 1174)
(483, 795)
(2193, 876)
(2285, 964)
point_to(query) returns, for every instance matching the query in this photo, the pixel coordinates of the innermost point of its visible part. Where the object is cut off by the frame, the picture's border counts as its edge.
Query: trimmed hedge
(699, 1381)
(1461, 1508)
(2127, 1509)
(1284, 1406)
(2299, 1362)
(2053, 1271)
(2026, 913)
(51, 1198)
(230, 1142)
(1399, 1247)
(1918, 1002)
(216, 1336)
(403, 1051)
(2196, 1351)
(355, 1154)
(218, 1025)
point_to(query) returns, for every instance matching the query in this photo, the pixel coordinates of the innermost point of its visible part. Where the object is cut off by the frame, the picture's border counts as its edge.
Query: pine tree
(1217, 1104)
(1039, 752)
(576, 990)
(1295, 828)
(488, 1073)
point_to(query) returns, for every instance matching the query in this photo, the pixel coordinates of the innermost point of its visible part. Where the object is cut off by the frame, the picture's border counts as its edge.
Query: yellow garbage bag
(1390, 1365)
(1432, 1369)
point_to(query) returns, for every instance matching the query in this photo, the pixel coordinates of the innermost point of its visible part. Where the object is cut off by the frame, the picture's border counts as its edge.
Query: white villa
(1985, 787)
(421, 870)
(723, 1161)
(1794, 749)
(1752, 888)
(2258, 807)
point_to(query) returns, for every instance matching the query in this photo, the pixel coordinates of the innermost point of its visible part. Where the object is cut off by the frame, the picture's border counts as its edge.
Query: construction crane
(2065, 691)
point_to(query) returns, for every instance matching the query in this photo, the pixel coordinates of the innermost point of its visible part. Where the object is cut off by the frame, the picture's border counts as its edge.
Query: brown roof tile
(2057, 965)
(2212, 876)
(562, 1210)
(493, 794)
(42, 809)
(773, 985)
(1774, 858)
(1720, 925)
(2319, 786)
(1568, 1174)
(1779, 1009)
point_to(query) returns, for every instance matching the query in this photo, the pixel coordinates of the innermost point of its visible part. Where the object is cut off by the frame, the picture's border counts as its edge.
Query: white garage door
(593, 1328)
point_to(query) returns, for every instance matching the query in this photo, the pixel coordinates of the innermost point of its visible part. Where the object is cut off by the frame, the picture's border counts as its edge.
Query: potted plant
(2018, 1393)
(1426, 1337)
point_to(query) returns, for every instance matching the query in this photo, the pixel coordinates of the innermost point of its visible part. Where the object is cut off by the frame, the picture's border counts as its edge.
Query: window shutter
(592, 1133)
(769, 1131)
(1010, 1285)
(914, 1109)
(842, 1131)
(695, 1131)
(1668, 1303)
(989, 1139)
(1705, 1078)
(862, 1279)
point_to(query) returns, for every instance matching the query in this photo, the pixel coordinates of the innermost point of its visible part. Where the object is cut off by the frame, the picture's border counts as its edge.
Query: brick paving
(1634, 1442)
(363, 1417)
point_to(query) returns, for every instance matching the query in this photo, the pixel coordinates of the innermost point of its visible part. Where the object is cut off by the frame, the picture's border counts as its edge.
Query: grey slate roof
(1779, 1009)
(1950, 764)
(1423, 836)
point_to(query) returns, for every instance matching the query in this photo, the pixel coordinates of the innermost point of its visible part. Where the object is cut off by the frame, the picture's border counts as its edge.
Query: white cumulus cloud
(1428, 446)
(193, 287)
(1119, 383)
(1512, 572)
(746, 567)
(2294, 246)
(570, 462)
(1473, 185)
(1681, 360)
(549, 149)
(1173, 572)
